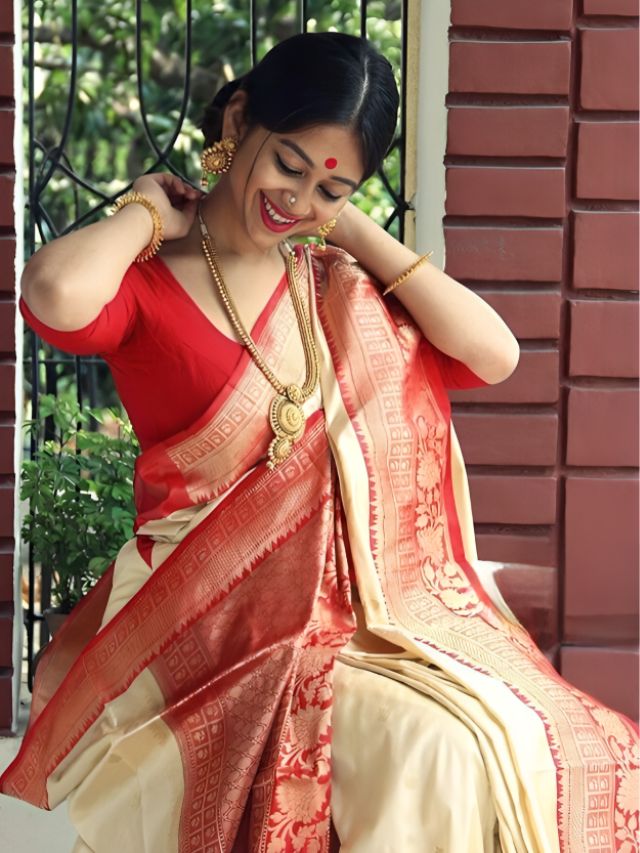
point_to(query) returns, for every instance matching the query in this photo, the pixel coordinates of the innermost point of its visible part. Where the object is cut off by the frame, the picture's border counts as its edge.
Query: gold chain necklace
(285, 414)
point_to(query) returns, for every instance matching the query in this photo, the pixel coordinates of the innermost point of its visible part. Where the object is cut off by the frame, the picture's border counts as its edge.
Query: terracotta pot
(54, 620)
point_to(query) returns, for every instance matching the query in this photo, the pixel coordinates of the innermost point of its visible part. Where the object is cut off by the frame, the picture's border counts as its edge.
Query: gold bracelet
(405, 275)
(158, 230)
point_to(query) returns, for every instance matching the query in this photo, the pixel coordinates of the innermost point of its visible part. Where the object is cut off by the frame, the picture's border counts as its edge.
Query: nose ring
(292, 199)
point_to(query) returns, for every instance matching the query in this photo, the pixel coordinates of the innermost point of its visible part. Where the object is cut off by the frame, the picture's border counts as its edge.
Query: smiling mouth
(275, 217)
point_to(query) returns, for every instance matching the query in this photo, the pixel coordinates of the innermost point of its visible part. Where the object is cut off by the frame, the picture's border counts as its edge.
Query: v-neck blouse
(168, 360)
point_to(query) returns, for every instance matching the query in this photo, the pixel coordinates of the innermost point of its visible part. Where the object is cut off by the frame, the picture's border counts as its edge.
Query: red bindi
(331, 163)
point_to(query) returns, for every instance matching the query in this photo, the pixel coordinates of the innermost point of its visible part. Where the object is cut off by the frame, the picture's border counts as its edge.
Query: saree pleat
(187, 703)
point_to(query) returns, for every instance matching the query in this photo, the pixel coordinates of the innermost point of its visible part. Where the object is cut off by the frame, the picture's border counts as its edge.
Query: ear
(233, 121)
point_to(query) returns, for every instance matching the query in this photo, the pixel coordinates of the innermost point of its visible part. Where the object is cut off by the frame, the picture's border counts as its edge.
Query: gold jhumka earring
(325, 230)
(217, 159)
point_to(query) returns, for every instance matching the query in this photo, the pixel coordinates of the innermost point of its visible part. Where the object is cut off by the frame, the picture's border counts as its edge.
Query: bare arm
(67, 282)
(452, 317)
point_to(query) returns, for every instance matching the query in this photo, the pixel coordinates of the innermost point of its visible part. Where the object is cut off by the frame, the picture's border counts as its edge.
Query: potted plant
(80, 493)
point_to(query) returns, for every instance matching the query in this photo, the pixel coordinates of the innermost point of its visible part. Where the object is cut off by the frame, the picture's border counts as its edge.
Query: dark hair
(318, 78)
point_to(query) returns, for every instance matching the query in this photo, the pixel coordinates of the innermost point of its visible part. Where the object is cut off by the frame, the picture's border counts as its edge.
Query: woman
(298, 630)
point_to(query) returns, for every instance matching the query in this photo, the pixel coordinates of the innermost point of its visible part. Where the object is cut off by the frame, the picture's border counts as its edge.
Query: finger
(172, 184)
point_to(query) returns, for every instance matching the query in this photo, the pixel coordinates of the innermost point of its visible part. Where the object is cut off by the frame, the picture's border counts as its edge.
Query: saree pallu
(186, 704)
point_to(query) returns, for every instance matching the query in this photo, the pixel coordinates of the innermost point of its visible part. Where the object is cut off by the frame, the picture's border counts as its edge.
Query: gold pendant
(287, 421)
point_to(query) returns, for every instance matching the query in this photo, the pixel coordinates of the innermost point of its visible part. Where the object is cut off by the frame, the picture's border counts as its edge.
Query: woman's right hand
(176, 201)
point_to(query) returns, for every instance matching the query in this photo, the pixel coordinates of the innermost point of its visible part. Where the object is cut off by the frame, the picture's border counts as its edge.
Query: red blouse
(167, 359)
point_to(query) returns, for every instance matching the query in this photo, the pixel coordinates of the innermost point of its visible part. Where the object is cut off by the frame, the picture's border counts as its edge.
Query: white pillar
(433, 85)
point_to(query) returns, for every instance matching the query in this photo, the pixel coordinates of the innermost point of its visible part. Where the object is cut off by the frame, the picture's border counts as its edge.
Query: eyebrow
(295, 147)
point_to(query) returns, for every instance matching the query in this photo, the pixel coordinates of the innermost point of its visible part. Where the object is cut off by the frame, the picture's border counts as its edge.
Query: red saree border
(352, 410)
(79, 689)
(344, 390)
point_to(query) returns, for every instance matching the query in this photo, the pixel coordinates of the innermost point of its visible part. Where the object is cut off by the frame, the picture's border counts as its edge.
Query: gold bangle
(158, 229)
(405, 275)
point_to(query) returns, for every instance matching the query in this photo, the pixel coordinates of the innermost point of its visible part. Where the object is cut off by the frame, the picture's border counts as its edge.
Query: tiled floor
(24, 828)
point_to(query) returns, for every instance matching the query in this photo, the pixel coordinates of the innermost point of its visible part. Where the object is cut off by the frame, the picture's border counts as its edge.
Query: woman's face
(320, 166)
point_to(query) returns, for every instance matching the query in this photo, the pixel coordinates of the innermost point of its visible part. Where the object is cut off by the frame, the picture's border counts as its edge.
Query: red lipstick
(268, 221)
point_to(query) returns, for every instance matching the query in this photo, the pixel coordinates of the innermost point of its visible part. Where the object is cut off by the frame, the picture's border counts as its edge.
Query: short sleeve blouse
(168, 360)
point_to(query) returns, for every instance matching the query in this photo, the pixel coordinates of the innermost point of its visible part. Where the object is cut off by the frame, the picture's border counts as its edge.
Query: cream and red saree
(186, 705)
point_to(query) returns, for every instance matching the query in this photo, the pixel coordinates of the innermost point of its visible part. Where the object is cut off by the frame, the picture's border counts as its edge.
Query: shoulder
(338, 267)
(331, 255)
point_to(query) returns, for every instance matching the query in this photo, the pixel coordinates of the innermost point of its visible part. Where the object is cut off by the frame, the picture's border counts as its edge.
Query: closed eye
(286, 168)
(288, 171)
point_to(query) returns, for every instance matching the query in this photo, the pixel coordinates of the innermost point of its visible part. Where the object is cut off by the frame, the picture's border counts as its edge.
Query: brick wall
(541, 221)
(7, 363)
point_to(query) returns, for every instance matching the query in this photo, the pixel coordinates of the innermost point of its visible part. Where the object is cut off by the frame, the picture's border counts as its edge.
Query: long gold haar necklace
(286, 416)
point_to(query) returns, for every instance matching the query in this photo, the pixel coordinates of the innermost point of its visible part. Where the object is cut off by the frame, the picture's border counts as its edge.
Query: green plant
(80, 493)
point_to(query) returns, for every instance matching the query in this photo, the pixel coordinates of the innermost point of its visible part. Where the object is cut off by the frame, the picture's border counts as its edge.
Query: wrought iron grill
(112, 93)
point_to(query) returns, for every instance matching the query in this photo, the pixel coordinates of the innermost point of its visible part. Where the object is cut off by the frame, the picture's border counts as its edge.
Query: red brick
(508, 131)
(504, 254)
(538, 549)
(7, 327)
(601, 559)
(535, 380)
(603, 427)
(609, 674)
(6, 701)
(604, 338)
(7, 119)
(509, 191)
(6, 201)
(606, 250)
(515, 14)
(529, 314)
(6, 71)
(7, 264)
(610, 7)
(526, 67)
(488, 438)
(6, 639)
(609, 78)
(7, 437)
(7, 388)
(6, 18)
(513, 499)
(610, 144)
(6, 577)
(6, 511)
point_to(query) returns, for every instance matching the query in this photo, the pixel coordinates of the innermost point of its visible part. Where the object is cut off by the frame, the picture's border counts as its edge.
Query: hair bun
(211, 122)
